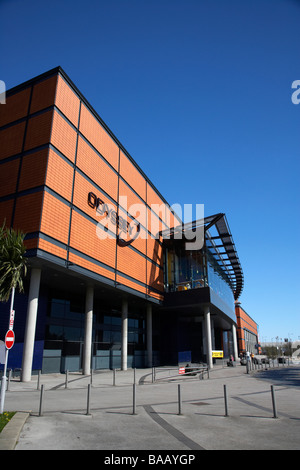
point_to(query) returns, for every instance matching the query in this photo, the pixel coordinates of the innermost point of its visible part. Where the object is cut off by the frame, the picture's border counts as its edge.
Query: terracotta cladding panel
(59, 175)
(55, 218)
(153, 197)
(98, 137)
(154, 224)
(63, 137)
(67, 101)
(155, 276)
(96, 168)
(43, 94)
(131, 263)
(155, 295)
(33, 170)
(133, 285)
(140, 242)
(8, 177)
(6, 208)
(132, 203)
(84, 238)
(133, 177)
(16, 107)
(31, 243)
(28, 212)
(244, 321)
(11, 140)
(171, 220)
(154, 250)
(91, 266)
(51, 248)
(38, 130)
(82, 188)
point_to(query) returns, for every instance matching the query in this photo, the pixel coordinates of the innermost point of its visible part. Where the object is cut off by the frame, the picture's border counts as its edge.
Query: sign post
(9, 339)
(9, 342)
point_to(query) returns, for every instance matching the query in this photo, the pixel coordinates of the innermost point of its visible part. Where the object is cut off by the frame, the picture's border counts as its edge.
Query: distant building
(247, 331)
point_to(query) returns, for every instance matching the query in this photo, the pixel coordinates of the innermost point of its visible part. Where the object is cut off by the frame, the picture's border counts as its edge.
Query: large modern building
(111, 282)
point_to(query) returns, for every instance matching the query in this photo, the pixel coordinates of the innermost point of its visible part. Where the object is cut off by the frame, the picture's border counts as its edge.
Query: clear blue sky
(199, 93)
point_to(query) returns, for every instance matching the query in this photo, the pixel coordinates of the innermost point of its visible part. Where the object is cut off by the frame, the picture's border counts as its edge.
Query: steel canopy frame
(228, 258)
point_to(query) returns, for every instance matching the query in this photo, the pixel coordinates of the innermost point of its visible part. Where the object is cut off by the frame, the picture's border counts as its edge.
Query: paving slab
(157, 425)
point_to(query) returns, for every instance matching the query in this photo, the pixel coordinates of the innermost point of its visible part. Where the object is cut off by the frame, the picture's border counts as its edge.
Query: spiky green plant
(12, 261)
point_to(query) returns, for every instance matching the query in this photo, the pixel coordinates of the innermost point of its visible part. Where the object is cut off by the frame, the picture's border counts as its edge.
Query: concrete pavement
(111, 424)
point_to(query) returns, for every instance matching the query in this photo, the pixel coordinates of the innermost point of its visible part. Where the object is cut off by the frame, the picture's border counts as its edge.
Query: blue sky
(199, 93)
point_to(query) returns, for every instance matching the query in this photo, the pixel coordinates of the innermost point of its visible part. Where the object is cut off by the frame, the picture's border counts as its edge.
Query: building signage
(128, 231)
(9, 339)
(11, 320)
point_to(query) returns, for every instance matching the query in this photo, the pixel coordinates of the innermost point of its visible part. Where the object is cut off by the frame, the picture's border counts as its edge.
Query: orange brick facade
(247, 330)
(55, 150)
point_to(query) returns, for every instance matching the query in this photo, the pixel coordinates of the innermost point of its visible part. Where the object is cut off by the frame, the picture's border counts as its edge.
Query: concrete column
(124, 345)
(87, 347)
(208, 339)
(149, 335)
(32, 309)
(235, 347)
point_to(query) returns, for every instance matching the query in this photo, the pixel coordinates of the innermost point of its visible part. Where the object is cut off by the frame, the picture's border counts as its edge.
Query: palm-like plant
(12, 261)
(12, 270)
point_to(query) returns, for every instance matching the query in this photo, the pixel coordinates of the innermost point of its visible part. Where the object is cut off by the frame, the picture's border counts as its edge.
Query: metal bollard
(88, 400)
(41, 401)
(39, 380)
(179, 401)
(67, 378)
(8, 382)
(273, 402)
(114, 377)
(134, 400)
(225, 401)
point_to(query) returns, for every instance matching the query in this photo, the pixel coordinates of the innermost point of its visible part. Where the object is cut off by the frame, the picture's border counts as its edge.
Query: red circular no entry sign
(9, 339)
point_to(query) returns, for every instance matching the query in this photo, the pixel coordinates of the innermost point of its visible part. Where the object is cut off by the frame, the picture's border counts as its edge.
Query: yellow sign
(217, 353)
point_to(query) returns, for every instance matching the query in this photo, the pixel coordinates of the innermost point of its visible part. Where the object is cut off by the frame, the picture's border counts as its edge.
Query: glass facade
(183, 269)
(186, 270)
(64, 333)
(218, 280)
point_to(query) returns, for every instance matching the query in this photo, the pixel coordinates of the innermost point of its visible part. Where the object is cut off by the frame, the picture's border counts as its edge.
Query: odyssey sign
(130, 230)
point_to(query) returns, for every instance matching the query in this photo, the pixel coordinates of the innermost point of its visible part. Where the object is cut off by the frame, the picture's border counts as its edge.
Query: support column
(30, 324)
(87, 347)
(149, 335)
(124, 346)
(235, 347)
(208, 339)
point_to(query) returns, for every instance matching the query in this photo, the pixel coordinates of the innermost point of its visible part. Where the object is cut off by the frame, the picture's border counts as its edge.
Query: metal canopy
(228, 259)
(229, 256)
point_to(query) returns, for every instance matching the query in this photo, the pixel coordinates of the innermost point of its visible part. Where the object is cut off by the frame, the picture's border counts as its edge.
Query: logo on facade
(153, 221)
(127, 231)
